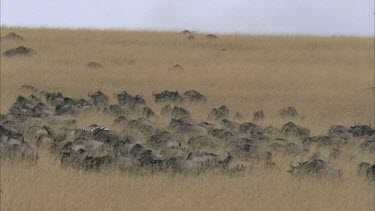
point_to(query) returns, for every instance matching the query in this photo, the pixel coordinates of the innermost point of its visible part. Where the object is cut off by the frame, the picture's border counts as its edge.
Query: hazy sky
(322, 17)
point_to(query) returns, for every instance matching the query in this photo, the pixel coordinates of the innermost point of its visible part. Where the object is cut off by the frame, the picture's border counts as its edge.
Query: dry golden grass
(326, 79)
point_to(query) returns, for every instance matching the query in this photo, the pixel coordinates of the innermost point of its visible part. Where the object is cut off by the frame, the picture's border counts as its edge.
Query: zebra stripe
(91, 128)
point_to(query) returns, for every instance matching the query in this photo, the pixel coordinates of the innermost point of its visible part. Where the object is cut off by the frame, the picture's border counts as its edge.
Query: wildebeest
(163, 140)
(294, 149)
(258, 115)
(191, 37)
(226, 123)
(29, 107)
(250, 128)
(186, 31)
(238, 116)
(199, 142)
(60, 120)
(94, 65)
(147, 112)
(13, 146)
(27, 87)
(134, 103)
(234, 165)
(366, 170)
(368, 146)
(19, 51)
(177, 67)
(185, 125)
(211, 36)
(141, 125)
(167, 96)
(318, 166)
(288, 112)
(99, 99)
(178, 113)
(12, 36)
(166, 110)
(219, 113)
(79, 157)
(227, 136)
(324, 141)
(295, 130)
(120, 120)
(361, 130)
(114, 110)
(53, 98)
(194, 96)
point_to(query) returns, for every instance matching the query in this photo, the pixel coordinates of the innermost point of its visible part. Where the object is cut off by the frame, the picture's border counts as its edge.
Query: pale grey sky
(319, 17)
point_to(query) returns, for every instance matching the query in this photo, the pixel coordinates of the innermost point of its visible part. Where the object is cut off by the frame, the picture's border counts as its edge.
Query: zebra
(91, 129)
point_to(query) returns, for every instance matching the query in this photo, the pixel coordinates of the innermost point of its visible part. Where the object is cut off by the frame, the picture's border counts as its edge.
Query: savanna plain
(329, 80)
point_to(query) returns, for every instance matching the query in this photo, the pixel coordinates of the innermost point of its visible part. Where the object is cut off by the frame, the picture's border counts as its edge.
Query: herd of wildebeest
(138, 142)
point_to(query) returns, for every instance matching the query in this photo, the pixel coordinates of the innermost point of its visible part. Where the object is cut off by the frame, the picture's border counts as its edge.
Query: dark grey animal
(163, 140)
(294, 149)
(120, 120)
(124, 98)
(29, 107)
(368, 146)
(13, 146)
(12, 36)
(250, 129)
(337, 129)
(258, 115)
(211, 36)
(141, 125)
(80, 158)
(114, 110)
(317, 166)
(19, 51)
(184, 125)
(238, 116)
(147, 112)
(219, 113)
(194, 96)
(295, 130)
(167, 96)
(166, 110)
(362, 130)
(367, 170)
(227, 136)
(230, 125)
(94, 65)
(27, 87)
(99, 99)
(288, 112)
(186, 32)
(191, 37)
(178, 113)
(199, 142)
(53, 98)
(234, 165)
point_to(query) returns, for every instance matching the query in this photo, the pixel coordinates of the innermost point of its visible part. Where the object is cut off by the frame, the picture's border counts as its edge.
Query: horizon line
(93, 28)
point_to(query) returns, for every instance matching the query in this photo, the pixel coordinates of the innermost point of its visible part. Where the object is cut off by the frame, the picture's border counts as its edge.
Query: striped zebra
(91, 129)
